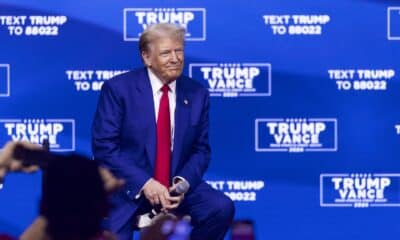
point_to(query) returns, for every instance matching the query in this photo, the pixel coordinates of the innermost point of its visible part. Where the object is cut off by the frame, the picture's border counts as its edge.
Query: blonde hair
(160, 30)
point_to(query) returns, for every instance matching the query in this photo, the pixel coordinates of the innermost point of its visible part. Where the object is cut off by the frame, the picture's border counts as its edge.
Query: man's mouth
(174, 68)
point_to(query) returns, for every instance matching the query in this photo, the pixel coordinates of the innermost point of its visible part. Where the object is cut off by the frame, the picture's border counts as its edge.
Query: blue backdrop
(305, 120)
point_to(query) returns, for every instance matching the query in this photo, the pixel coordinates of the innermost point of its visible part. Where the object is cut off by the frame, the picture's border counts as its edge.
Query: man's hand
(175, 200)
(157, 193)
(9, 163)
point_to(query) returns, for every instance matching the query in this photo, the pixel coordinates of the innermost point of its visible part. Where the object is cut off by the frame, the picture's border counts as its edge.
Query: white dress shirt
(156, 86)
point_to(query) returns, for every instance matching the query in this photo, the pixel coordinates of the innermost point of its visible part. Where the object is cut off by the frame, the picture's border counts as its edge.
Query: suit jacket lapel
(147, 114)
(182, 118)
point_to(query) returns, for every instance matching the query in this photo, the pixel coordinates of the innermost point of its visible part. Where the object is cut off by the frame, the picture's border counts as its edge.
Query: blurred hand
(111, 183)
(9, 163)
(37, 229)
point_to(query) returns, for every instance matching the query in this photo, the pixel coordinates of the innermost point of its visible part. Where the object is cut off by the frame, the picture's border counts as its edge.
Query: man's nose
(174, 56)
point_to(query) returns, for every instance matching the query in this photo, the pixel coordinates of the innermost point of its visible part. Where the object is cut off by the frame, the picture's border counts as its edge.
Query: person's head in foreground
(74, 200)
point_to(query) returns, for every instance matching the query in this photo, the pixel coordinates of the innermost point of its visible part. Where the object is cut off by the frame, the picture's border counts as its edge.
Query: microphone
(146, 220)
(181, 188)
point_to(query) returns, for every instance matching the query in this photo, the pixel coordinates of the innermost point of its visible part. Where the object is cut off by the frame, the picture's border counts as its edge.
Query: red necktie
(163, 157)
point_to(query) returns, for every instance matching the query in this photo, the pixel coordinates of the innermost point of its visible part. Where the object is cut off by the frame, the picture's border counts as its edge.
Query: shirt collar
(156, 83)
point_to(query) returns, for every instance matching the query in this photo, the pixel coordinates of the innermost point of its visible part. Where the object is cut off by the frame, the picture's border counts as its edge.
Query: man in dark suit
(151, 129)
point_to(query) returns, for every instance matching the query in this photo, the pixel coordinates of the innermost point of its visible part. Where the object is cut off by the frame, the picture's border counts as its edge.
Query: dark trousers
(210, 210)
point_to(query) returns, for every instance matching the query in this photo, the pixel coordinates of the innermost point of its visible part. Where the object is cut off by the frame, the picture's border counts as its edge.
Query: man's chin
(174, 75)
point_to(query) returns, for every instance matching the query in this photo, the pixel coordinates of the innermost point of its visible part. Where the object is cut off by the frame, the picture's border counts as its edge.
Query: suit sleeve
(199, 156)
(106, 139)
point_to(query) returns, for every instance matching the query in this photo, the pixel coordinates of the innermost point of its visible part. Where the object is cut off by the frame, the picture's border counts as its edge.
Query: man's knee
(225, 209)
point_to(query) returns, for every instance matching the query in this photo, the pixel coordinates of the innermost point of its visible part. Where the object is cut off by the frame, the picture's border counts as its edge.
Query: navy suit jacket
(124, 136)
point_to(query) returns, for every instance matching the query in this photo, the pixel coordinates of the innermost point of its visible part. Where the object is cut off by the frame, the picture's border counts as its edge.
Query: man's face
(165, 58)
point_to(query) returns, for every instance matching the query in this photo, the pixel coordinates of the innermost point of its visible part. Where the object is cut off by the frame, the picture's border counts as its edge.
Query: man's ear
(146, 58)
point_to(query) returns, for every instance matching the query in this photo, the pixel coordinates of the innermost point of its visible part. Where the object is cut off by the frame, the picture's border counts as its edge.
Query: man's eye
(164, 53)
